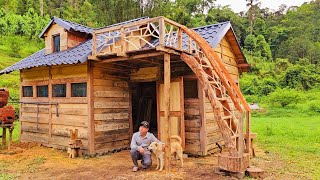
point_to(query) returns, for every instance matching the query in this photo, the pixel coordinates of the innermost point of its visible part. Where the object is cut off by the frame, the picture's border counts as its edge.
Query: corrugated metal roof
(79, 54)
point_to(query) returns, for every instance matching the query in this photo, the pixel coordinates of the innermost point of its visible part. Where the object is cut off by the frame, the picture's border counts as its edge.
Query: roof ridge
(225, 22)
(71, 22)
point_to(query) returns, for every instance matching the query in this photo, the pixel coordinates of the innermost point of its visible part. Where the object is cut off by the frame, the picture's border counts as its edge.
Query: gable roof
(213, 34)
(68, 25)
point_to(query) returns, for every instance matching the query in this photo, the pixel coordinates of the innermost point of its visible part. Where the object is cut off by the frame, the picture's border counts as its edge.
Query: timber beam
(133, 57)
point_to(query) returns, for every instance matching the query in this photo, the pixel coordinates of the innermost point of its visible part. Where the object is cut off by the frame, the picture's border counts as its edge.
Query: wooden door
(176, 110)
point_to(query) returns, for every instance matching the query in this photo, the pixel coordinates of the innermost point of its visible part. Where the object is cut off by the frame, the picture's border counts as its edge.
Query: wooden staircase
(225, 97)
(223, 93)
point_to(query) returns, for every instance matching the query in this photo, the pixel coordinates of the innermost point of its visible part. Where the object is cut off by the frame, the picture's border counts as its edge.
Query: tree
(250, 43)
(253, 6)
(263, 47)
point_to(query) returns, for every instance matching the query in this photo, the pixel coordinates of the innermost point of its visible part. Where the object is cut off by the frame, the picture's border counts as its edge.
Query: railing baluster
(180, 39)
(123, 42)
(162, 31)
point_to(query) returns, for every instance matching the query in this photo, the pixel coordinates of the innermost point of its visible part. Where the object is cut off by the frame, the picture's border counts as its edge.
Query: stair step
(226, 117)
(222, 99)
(213, 82)
(205, 66)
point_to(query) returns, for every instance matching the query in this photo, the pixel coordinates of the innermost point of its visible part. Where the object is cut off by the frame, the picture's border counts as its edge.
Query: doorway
(144, 105)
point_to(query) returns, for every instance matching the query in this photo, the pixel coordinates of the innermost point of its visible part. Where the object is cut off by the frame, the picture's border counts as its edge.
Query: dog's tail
(178, 138)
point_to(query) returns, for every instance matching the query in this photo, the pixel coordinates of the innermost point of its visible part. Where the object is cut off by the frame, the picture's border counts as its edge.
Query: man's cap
(145, 124)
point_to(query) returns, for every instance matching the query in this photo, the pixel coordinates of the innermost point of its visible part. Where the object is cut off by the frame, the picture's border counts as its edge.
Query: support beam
(166, 94)
(139, 56)
(248, 133)
(90, 107)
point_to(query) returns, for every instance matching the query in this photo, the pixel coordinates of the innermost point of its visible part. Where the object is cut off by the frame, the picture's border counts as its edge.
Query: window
(78, 89)
(27, 91)
(42, 91)
(190, 88)
(59, 90)
(56, 43)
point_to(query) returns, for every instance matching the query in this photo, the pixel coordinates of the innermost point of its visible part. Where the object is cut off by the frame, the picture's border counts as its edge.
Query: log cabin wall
(225, 52)
(192, 116)
(53, 129)
(111, 107)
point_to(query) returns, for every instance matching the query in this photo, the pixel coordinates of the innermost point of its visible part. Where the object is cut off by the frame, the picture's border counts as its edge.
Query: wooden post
(50, 105)
(90, 107)
(248, 133)
(162, 31)
(203, 131)
(20, 106)
(4, 136)
(240, 138)
(123, 41)
(189, 45)
(94, 44)
(166, 94)
(10, 137)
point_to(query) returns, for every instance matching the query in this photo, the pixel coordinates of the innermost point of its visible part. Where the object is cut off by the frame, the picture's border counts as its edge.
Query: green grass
(295, 138)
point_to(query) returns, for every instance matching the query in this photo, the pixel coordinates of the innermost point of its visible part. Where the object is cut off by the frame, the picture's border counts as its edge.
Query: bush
(285, 97)
(314, 107)
(15, 48)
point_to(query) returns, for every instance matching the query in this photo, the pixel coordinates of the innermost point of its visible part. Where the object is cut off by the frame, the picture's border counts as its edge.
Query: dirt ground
(31, 161)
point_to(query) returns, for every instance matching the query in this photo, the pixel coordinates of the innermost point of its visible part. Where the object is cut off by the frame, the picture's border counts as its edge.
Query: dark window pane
(56, 43)
(59, 90)
(27, 91)
(42, 91)
(79, 89)
(190, 89)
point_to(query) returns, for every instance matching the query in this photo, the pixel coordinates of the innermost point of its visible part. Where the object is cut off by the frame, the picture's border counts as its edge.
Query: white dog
(176, 149)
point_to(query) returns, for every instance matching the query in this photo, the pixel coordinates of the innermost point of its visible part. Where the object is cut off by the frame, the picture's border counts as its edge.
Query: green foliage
(284, 97)
(15, 48)
(300, 77)
(250, 42)
(314, 106)
(263, 47)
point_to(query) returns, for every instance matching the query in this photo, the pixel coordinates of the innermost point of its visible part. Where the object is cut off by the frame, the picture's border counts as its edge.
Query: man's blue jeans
(145, 157)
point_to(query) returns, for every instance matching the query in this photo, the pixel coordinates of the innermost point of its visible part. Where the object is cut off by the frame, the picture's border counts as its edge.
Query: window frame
(37, 87)
(53, 93)
(71, 89)
(23, 91)
(53, 43)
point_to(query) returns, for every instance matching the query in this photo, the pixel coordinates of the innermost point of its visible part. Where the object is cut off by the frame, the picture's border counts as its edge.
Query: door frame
(181, 114)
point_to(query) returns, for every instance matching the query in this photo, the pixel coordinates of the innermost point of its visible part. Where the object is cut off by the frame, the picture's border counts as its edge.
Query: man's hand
(141, 150)
(163, 147)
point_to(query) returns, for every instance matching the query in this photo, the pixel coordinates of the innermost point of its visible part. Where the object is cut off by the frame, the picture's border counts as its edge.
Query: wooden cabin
(105, 81)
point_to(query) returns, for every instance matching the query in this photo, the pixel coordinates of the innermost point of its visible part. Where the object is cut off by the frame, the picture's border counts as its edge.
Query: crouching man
(139, 146)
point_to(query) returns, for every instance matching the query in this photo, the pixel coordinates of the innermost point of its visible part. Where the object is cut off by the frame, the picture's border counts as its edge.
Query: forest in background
(282, 46)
